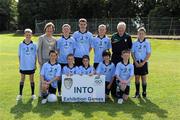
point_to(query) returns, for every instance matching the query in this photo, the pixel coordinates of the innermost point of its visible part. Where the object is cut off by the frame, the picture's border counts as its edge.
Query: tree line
(23, 13)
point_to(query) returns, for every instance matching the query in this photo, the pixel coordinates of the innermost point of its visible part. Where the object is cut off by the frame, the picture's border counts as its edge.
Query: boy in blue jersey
(86, 69)
(50, 74)
(83, 39)
(27, 62)
(70, 69)
(124, 73)
(106, 68)
(65, 46)
(141, 51)
(100, 43)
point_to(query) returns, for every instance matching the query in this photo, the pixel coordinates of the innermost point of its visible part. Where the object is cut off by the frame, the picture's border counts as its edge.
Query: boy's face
(53, 57)
(106, 58)
(125, 56)
(102, 31)
(49, 30)
(66, 30)
(141, 35)
(82, 25)
(70, 60)
(85, 62)
(28, 35)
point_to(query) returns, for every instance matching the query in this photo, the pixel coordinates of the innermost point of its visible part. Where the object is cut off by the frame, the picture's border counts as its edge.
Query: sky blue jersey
(27, 54)
(99, 45)
(65, 46)
(124, 72)
(68, 70)
(83, 43)
(86, 71)
(107, 70)
(141, 49)
(50, 71)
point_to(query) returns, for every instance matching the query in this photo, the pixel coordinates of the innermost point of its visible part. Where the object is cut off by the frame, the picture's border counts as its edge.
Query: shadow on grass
(21, 108)
(87, 109)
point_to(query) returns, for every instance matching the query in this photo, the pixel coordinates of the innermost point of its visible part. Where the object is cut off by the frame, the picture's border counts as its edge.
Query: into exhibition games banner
(83, 88)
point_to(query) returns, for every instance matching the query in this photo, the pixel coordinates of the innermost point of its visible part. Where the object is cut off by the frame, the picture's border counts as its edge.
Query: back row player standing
(83, 39)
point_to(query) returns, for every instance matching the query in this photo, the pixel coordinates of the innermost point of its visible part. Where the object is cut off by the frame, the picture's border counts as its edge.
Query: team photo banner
(83, 88)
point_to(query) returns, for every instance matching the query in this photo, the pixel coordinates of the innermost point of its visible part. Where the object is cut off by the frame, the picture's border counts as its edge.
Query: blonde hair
(102, 25)
(49, 24)
(66, 25)
(27, 30)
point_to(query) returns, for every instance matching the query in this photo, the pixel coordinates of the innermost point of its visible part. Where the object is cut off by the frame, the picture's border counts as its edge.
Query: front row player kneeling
(106, 68)
(124, 73)
(50, 74)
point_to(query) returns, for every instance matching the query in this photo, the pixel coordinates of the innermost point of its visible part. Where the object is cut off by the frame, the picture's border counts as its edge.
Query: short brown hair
(82, 20)
(49, 24)
(70, 55)
(125, 51)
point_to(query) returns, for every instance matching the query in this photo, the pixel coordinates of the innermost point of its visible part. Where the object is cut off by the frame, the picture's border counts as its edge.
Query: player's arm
(134, 60)
(19, 53)
(131, 74)
(39, 51)
(147, 58)
(54, 79)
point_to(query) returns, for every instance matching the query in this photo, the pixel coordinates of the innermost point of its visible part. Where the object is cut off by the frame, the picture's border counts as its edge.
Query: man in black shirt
(120, 41)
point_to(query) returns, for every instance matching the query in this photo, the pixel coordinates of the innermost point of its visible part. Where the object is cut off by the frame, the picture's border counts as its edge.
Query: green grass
(163, 90)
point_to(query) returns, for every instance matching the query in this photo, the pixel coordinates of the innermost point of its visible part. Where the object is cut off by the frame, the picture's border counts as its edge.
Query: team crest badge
(68, 82)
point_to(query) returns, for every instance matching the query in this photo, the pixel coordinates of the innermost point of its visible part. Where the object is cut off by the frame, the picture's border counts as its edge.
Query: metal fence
(153, 25)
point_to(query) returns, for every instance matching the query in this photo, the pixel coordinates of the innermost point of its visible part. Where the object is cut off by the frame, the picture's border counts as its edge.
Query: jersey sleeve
(148, 47)
(92, 70)
(99, 68)
(113, 70)
(79, 70)
(74, 43)
(91, 39)
(64, 70)
(132, 49)
(93, 42)
(19, 50)
(43, 70)
(58, 73)
(109, 44)
(132, 70)
(117, 69)
(35, 51)
(57, 45)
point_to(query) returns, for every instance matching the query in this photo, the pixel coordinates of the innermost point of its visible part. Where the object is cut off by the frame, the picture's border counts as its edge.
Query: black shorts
(51, 90)
(142, 70)
(78, 61)
(95, 65)
(27, 72)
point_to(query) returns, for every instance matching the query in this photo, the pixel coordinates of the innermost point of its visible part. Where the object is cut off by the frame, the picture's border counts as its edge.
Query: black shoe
(137, 95)
(144, 94)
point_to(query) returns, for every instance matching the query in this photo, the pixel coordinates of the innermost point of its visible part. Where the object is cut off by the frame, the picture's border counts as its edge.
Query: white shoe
(44, 101)
(19, 97)
(33, 97)
(120, 101)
